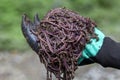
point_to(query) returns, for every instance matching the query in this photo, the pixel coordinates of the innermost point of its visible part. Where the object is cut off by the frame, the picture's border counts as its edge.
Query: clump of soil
(62, 35)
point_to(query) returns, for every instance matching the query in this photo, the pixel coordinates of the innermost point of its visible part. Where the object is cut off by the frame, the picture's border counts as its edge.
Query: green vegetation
(104, 12)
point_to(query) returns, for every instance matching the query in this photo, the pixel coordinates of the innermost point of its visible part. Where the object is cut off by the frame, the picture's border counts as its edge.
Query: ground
(26, 66)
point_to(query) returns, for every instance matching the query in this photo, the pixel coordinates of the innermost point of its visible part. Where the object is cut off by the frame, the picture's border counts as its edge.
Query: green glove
(91, 49)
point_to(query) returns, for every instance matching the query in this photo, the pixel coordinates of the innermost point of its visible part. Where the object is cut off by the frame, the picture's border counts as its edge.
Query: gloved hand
(104, 51)
(92, 48)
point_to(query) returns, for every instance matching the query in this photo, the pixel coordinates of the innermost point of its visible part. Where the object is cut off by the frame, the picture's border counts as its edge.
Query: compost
(62, 35)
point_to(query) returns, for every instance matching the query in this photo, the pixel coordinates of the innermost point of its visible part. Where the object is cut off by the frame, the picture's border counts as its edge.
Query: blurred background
(19, 62)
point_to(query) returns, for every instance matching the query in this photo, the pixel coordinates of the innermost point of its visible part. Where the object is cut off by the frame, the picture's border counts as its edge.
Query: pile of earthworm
(62, 36)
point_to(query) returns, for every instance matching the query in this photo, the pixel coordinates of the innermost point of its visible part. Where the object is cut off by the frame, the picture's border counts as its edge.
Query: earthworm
(62, 35)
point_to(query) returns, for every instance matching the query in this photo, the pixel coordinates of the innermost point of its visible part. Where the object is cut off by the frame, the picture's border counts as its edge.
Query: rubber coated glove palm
(92, 48)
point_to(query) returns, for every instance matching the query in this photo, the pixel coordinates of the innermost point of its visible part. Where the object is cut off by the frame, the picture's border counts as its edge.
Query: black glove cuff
(109, 54)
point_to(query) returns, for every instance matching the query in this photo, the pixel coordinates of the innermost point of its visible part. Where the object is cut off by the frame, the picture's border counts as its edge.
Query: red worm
(62, 37)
